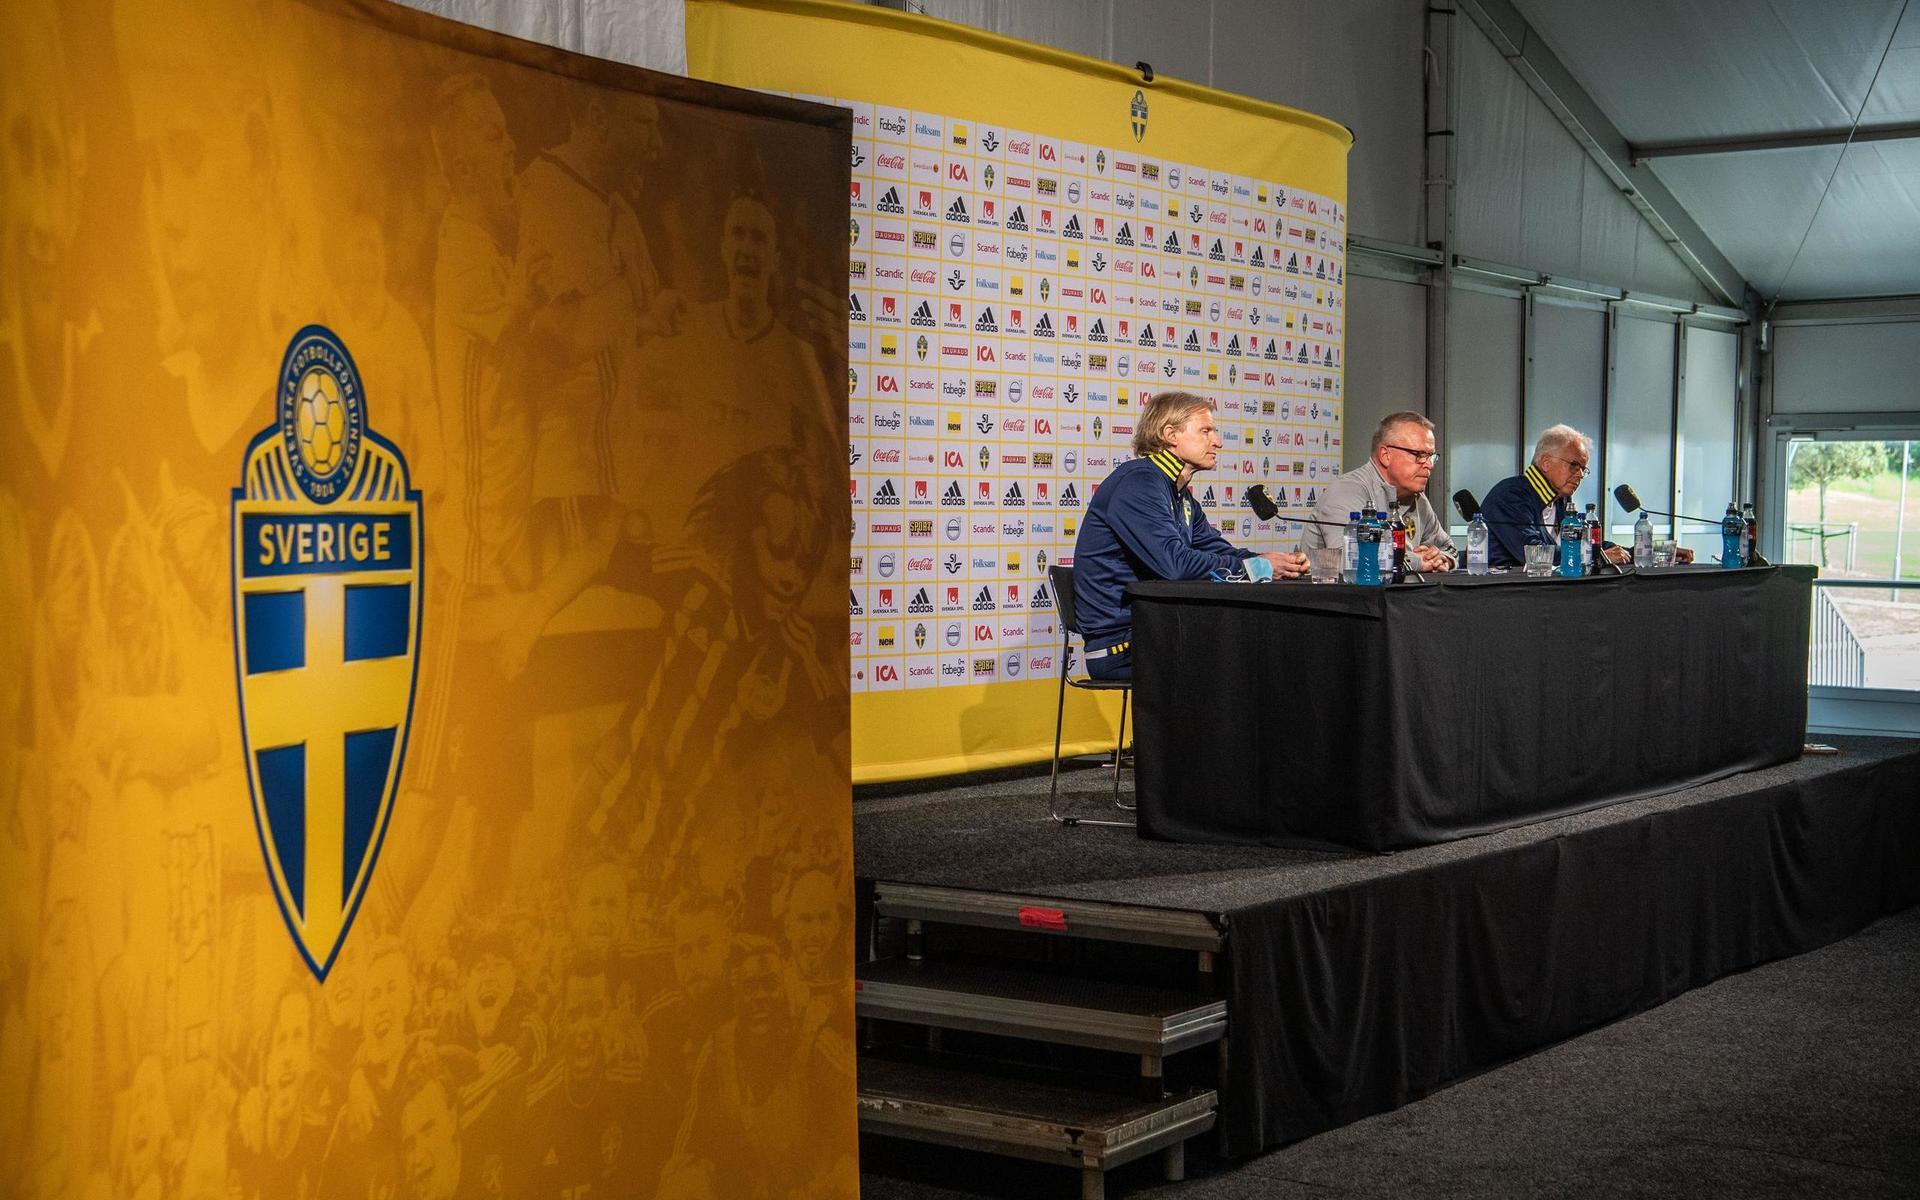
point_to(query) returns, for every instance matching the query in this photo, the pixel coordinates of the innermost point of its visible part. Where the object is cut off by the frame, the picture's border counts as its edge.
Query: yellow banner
(423, 703)
(1040, 242)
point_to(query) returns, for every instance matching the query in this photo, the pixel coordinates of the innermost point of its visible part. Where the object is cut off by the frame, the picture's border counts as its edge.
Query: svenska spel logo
(328, 557)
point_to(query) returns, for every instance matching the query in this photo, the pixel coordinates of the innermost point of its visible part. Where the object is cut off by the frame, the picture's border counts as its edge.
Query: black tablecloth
(1400, 716)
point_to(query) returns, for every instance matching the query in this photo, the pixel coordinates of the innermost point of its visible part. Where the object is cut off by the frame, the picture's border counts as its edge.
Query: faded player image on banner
(423, 696)
(1040, 244)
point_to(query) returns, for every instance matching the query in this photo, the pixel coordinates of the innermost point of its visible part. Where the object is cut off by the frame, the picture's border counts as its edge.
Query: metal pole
(1900, 523)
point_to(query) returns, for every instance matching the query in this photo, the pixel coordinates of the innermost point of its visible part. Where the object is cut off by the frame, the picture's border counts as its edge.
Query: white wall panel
(1482, 444)
(1386, 356)
(1846, 368)
(1568, 349)
(646, 33)
(1640, 415)
(1708, 402)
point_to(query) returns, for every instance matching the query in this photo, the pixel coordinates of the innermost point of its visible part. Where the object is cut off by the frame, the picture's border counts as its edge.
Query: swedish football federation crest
(327, 572)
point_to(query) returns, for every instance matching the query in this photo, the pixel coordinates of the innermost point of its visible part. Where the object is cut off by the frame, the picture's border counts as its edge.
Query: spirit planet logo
(327, 573)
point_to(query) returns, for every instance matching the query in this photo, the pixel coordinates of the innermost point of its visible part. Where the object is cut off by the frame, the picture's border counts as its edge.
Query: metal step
(1098, 919)
(1151, 1022)
(1045, 1120)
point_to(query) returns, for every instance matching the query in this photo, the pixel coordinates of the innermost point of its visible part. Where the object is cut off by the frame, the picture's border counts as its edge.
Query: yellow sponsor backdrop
(600, 911)
(963, 134)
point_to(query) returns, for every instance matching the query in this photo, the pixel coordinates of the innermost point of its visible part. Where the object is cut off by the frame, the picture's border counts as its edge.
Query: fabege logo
(327, 532)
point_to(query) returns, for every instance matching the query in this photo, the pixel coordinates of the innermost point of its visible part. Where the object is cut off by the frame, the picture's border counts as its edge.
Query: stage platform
(1356, 982)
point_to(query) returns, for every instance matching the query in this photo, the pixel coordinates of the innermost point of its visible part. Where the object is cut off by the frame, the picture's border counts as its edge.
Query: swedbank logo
(327, 571)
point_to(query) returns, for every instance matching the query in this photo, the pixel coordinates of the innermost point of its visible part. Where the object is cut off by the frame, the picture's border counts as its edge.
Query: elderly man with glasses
(1394, 475)
(1526, 509)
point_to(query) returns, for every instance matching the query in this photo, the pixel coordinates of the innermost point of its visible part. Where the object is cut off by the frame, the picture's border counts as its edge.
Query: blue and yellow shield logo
(327, 571)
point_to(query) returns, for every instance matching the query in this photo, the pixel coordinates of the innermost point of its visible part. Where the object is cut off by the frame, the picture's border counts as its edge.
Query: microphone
(1631, 502)
(1264, 508)
(1466, 505)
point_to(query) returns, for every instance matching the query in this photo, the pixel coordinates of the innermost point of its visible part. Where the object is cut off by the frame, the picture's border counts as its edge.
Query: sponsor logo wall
(1014, 299)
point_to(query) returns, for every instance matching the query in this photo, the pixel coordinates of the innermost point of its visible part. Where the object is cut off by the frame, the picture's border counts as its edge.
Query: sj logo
(327, 571)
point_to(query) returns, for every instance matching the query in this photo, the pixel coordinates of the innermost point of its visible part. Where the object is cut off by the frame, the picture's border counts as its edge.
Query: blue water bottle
(1573, 539)
(1368, 570)
(1733, 530)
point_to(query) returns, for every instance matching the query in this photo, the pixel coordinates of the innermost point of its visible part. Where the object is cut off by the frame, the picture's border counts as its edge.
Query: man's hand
(1432, 559)
(1286, 566)
(1617, 555)
(1682, 554)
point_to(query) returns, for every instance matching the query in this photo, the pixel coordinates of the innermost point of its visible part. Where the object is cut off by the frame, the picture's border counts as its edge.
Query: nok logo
(327, 573)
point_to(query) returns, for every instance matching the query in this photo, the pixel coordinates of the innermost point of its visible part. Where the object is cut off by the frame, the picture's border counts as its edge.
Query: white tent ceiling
(1698, 82)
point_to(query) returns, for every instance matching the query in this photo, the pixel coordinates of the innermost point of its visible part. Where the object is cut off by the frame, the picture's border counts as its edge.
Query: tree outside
(1820, 465)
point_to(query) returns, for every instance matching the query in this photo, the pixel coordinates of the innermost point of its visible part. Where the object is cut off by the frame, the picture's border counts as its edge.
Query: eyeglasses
(1420, 457)
(1578, 468)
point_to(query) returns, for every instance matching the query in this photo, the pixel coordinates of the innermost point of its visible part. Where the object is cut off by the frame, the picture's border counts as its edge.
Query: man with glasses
(1395, 475)
(1526, 509)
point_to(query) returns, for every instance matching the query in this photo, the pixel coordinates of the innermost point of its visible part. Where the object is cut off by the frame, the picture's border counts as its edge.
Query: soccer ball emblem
(320, 420)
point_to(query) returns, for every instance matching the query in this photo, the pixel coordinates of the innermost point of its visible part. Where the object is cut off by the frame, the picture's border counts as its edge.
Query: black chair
(1062, 578)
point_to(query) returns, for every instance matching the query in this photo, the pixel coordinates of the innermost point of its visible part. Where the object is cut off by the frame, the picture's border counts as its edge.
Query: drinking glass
(1539, 562)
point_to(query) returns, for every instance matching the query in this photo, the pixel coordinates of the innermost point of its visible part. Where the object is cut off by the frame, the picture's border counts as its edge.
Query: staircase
(1055, 1031)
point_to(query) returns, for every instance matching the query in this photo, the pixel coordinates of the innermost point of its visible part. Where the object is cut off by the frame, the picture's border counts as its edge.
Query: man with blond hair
(1144, 523)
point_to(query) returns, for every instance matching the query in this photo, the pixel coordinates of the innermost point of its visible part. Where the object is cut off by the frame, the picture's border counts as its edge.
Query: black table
(1379, 718)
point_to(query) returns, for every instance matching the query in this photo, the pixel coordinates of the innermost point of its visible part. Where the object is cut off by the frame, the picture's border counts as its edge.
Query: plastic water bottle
(1477, 537)
(1643, 542)
(1573, 541)
(1732, 531)
(1368, 571)
(1397, 527)
(1750, 551)
(1351, 544)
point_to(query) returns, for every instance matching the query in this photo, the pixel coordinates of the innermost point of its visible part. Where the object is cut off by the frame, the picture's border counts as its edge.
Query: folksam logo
(328, 557)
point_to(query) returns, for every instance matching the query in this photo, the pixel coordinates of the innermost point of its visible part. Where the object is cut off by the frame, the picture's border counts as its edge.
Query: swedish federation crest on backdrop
(327, 601)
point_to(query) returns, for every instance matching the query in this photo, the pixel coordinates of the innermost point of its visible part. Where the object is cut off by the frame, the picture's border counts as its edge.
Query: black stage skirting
(1390, 717)
(1360, 982)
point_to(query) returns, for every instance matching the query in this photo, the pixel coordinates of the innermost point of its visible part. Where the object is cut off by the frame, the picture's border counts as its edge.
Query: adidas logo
(920, 605)
(1017, 220)
(1099, 331)
(983, 600)
(1146, 336)
(854, 311)
(953, 497)
(957, 211)
(1259, 257)
(986, 323)
(1069, 497)
(1043, 327)
(1303, 354)
(1193, 341)
(1269, 353)
(1233, 345)
(853, 604)
(1216, 252)
(1013, 497)
(1171, 245)
(1124, 237)
(889, 202)
(922, 317)
(1041, 598)
(886, 494)
(1072, 229)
